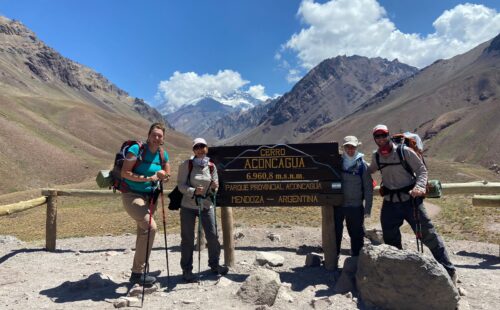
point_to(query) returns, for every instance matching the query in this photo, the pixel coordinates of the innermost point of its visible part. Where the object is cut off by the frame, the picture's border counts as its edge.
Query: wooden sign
(278, 175)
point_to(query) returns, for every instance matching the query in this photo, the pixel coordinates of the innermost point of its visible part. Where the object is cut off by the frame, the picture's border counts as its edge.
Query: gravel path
(31, 278)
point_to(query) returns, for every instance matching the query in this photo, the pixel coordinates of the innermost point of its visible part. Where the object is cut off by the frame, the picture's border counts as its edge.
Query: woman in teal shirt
(142, 171)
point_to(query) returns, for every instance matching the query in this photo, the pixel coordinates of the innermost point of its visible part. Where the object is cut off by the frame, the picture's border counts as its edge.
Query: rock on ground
(261, 287)
(395, 279)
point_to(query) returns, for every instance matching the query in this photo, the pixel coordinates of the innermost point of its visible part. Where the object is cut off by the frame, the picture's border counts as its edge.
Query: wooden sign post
(280, 175)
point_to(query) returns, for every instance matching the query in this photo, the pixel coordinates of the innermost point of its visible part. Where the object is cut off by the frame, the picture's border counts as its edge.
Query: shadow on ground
(302, 277)
(489, 261)
(85, 289)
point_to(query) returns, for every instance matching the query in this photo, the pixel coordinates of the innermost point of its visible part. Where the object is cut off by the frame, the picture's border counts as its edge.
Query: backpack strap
(142, 148)
(190, 167)
(210, 167)
(163, 162)
(361, 171)
(403, 162)
(361, 168)
(402, 159)
(377, 159)
(121, 185)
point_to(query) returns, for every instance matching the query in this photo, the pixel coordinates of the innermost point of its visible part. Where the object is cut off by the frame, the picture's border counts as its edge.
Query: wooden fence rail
(483, 187)
(486, 200)
(83, 192)
(50, 198)
(22, 206)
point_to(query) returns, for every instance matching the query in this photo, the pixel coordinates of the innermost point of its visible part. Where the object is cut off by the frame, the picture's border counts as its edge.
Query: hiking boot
(138, 278)
(188, 276)
(222, 270)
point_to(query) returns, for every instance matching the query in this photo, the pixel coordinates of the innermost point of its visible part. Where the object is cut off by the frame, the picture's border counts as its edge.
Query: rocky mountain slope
(453, 104)
(60, 121)
(331, 90)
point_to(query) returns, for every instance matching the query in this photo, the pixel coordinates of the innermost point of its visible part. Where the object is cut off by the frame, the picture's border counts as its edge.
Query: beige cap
(199, 141)
(351, 140)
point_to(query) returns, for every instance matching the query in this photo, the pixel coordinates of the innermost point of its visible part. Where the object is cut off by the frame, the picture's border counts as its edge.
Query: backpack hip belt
(384, 191)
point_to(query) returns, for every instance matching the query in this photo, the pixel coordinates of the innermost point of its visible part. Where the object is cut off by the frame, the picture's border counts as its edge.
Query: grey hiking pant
(392, 217)
(188, 219)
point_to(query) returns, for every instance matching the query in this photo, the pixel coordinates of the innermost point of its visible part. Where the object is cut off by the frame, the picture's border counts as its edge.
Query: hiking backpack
(117, 182)
(414, 142)
(402, 140)
(175, 195)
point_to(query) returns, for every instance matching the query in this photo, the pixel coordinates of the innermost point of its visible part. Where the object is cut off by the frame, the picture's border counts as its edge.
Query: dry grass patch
(79, 217)
(458, 219)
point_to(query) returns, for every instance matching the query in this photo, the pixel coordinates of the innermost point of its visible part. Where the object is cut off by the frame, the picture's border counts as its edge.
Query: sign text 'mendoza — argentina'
(278, 175)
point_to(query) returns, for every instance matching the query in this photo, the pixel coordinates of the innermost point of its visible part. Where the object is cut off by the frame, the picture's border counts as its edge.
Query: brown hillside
(454, 104)
(60, 122)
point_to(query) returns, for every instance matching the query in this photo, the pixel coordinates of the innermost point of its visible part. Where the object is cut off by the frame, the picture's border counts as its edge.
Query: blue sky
(174, 50)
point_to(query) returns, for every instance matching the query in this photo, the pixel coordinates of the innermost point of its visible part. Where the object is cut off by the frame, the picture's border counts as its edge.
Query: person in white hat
(198, 181)
(357, 185)
(403, 194)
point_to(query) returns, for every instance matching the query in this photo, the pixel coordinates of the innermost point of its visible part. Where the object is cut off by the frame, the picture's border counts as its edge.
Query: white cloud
(258, 91)
(361, 27)
(293, 75)
(182, 88)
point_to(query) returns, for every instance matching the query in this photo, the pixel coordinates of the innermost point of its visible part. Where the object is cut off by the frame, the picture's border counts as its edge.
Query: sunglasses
(379, 136)
(199, 146)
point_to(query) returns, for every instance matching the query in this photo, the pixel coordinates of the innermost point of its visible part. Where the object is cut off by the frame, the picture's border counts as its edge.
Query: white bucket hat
(351, 140)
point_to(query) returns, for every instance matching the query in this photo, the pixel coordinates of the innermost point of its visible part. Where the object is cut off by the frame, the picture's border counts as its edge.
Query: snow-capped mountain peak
(239, 100)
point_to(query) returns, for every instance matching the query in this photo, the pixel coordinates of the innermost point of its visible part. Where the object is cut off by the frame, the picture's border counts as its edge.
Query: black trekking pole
(215, 213)
(418, 226)
(212, 198)
(164, 231)
(146, 265)
(198, 202)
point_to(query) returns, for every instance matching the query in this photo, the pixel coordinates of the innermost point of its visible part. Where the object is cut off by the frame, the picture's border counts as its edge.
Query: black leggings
(354, 219)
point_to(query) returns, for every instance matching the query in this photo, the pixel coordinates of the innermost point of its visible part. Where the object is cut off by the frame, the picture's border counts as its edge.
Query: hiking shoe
(188, 276)
(138, 278)
(222, 270)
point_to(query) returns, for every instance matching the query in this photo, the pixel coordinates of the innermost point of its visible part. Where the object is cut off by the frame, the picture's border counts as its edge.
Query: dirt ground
(33, 278)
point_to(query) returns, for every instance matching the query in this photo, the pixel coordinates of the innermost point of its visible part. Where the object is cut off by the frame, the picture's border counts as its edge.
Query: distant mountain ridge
(196, 117)
(237, 122)
(238, 99)
(453, 104)
(331, 90)
(61, 120)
